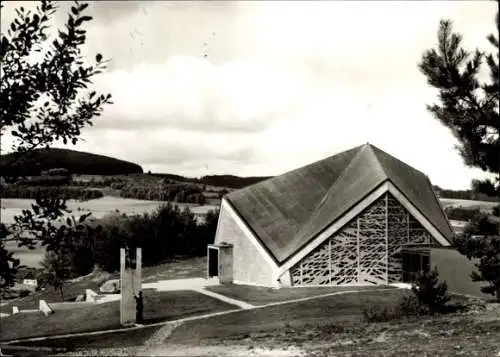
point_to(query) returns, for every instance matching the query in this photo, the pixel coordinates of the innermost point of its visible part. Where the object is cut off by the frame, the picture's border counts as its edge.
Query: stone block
(90, 295)
(15, 310)
(110, 287)
(45, 308)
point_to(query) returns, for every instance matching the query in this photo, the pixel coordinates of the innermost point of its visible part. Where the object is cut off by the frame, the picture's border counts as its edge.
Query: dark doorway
(213, 262)
(414, 263)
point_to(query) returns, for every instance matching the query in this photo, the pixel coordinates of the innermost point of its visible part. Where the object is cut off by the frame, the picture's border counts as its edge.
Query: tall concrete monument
(130, 283)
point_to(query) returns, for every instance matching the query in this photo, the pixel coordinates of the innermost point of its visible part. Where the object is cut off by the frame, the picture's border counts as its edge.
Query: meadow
(484, 206)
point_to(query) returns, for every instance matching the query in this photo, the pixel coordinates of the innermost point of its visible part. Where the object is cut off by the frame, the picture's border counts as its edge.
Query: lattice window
(372, 259)
(366, 251)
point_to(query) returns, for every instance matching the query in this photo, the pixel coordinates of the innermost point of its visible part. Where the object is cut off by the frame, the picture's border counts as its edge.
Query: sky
(261, 88)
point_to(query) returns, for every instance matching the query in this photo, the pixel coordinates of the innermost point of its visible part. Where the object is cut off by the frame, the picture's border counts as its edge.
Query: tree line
(34, 192)
(78, 249)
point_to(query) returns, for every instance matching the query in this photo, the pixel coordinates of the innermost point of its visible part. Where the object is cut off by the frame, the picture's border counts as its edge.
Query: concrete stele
(130, 285)
(45, 308)
(90, 295)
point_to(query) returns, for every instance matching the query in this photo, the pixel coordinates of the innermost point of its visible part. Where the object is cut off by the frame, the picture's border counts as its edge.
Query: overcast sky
(259, 88)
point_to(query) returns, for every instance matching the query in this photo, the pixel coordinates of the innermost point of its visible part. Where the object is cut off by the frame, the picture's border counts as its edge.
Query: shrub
(496, 210)
(379, 313)
(24, 293)
(430, 292)
(429, 296)
(410, 306)
(56, 172)
(462, 214)
(32, 192)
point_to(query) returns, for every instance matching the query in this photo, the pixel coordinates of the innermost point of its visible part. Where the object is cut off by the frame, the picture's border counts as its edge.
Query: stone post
(130, 285)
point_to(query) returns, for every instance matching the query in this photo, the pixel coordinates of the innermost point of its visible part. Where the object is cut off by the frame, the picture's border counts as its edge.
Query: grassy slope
(262, 296)
(331, 326)
(188, 268)
(347, 307)
(158, 306)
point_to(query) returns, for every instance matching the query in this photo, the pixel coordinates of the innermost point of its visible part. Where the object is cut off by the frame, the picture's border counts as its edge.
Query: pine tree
(468, 106)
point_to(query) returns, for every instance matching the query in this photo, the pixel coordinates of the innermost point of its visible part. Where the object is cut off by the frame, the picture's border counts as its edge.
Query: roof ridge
(324, 199)
(298, 169)
(377, 160)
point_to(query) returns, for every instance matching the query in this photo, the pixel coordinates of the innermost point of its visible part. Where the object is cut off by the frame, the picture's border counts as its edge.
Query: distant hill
(77, 162)
(226, 181)
(231, 181)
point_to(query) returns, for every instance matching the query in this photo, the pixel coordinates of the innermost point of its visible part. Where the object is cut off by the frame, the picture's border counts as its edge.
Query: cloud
(195, 95)
(258, 88)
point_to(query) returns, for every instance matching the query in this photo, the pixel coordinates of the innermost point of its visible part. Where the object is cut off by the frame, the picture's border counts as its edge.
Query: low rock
(45, 308)
(110, 287)
(80, 298)
(90, 295)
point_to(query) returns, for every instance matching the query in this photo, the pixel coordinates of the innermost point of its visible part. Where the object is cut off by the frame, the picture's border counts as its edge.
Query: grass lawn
(257, 295)
(120, 339)
(339, 308)
(158, 306)
(178, 269)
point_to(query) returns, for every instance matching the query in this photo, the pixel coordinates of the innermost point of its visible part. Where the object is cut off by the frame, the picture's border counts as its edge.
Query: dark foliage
(429, 296)
(496, 211)
(468, 106)
(481, 242)
(462, 214)
(165, 234)
(34, 192)
(231, 181)
(76, 162)
(9, 266)
(228, 181)
(45, 99)
(474, 194)
(179, 192)
(430, 292)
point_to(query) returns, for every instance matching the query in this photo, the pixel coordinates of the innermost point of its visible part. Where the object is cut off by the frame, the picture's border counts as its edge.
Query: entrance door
(213, 262)
(414, 263)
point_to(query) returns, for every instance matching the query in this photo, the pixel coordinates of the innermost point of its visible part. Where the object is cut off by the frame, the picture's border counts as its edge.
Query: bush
(56, 172)
(430, 292)
(32, 192)
(496, 211)
(429, 297)
(379, 313)
(462, 214)
(24, 293)
(410, 306)
(164, 234)
(407, 306)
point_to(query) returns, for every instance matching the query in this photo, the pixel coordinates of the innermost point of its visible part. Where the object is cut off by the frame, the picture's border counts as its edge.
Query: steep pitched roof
(287, 211)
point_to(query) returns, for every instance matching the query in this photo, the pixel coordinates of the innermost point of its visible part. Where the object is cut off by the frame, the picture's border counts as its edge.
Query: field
(99, 207)
(482, 205)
